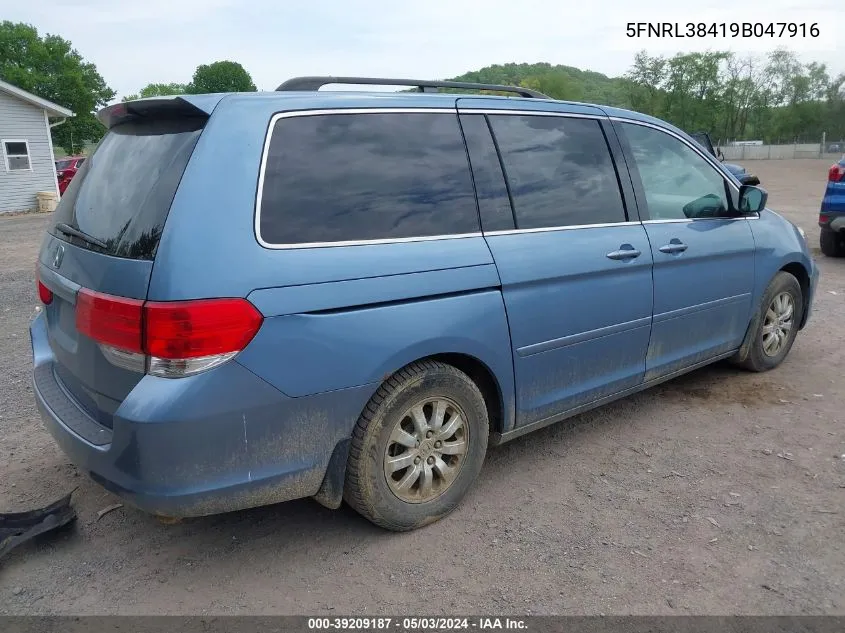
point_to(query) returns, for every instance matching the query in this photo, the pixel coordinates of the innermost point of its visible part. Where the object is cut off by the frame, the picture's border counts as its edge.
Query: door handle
(624, 253)
(673, 248)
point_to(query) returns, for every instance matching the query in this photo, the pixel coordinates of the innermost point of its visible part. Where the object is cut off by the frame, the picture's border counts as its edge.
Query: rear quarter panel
(307, 353)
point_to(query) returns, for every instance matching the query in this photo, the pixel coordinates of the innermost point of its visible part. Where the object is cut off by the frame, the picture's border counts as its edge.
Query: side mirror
(752, 199)
(749, 179)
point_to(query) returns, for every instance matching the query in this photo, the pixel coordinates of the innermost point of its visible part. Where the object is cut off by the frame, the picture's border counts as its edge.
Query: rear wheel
(781, 310)
(417, 447)
(832, 243)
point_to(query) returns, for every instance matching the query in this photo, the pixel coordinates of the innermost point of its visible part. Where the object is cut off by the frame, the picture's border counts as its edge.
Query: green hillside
(559, 82)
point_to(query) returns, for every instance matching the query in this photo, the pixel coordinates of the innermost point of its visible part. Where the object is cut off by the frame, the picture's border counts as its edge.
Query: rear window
(122, 194)
(351, 177)
(63, 164)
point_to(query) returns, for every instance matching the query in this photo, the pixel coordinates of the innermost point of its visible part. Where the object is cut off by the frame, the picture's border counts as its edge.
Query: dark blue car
(374, 287)
(832, 214)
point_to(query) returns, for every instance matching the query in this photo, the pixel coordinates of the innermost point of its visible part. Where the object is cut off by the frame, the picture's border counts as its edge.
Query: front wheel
(417, 447)
(781, 310)
(832, 243)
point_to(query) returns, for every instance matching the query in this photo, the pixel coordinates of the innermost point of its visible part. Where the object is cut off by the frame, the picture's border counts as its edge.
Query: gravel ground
(718, 493)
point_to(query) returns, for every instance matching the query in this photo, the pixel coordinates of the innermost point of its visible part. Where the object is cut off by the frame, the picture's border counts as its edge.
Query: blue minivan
(252, 298)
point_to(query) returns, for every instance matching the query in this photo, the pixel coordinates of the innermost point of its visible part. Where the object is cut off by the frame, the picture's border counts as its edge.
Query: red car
(66, 169)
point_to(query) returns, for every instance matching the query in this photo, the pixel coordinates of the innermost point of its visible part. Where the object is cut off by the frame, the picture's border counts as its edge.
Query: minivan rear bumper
(219, 441)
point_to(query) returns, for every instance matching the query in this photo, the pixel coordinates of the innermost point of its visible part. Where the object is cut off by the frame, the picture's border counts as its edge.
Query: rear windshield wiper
(67, 229)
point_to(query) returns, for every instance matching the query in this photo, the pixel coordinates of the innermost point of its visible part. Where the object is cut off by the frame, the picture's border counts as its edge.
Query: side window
(345, 177)
(493, 201)
(559, 171)
(679, 184)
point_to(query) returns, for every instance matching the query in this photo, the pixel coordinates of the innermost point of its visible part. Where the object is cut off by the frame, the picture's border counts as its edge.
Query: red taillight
(110, 320)
(189, 329)
(212, 329)
(44, 293)
(836, 174)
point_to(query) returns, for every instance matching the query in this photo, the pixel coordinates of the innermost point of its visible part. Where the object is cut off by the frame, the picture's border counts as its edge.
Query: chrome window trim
(685, 220)
(547, 229)
(301, 113)
(389, 240)
(571, 115)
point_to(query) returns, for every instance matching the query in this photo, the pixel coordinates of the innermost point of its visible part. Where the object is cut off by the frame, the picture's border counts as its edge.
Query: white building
(26, 148)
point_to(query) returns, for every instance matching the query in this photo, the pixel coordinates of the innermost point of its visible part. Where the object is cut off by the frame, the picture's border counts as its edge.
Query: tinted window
(122, 194)
(493, 201)
(678, 182)
(559, 171)
(342, 177)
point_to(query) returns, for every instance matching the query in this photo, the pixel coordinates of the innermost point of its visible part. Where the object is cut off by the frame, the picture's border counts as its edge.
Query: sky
(136, 42)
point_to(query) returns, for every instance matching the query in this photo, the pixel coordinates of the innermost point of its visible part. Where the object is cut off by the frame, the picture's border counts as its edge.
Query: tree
(693, 85)
(222, 76)
(741, 84)
(50, 68)
(835, 102)
(158, 90)
(645, 81)
(555, 85)
(560, 82)
(778, 99)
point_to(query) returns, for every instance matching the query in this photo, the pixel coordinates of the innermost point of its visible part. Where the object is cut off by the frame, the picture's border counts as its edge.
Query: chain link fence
(798, 148)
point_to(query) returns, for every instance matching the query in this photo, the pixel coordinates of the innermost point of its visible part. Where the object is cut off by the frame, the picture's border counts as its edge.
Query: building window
(16, 153)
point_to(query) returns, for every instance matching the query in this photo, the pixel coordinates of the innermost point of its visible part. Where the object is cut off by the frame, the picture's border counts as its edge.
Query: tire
(383, 495)
(832, 243)
(763, 355)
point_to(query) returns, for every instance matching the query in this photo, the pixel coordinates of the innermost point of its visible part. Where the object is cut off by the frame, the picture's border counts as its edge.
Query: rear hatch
(103, 238)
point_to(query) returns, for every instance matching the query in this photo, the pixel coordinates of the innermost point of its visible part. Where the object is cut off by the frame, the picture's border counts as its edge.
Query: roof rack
(424, 85)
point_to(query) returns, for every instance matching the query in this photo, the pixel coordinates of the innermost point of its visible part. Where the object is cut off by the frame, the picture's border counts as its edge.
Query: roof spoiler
(424, 85)
(159, 107)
